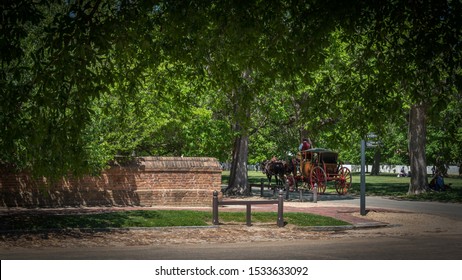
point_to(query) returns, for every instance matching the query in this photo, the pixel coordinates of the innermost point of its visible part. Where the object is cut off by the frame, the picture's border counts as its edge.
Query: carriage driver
(305, 145)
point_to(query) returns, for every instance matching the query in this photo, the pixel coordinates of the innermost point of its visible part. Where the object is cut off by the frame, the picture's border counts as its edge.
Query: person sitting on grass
(437, 183)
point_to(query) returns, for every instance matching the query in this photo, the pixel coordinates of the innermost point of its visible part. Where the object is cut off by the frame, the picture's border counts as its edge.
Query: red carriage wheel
(318, 176)
(343, 181)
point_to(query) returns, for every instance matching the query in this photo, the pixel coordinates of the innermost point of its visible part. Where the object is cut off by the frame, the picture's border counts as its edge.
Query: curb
(87, 230)
(343, 228)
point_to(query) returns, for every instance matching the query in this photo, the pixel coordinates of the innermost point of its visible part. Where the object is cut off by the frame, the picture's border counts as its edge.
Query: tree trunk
(238, 178)
(376, 165)
(303, 134)
(417, 142)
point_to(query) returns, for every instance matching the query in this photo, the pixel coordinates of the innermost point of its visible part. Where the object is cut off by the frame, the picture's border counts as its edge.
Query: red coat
(305, 146)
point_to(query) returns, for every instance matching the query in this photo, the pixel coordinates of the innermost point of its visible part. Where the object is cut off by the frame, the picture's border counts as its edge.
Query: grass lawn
(390, 185)
(152, 218)
(383, 185)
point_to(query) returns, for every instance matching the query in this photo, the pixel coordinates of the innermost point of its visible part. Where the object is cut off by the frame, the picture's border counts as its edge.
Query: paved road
(382, 248)
(450, 210)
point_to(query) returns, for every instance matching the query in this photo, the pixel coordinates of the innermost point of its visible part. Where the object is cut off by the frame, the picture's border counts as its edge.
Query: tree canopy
(85, 81)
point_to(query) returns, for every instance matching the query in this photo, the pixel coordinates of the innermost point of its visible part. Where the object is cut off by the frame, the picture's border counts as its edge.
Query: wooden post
(315, 193)
(261, 187)
(280, 210)
(215, 208)
(249, 214)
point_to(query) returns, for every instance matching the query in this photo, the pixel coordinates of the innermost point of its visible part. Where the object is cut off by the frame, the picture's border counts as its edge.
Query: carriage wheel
(318, 176)
(343, 181)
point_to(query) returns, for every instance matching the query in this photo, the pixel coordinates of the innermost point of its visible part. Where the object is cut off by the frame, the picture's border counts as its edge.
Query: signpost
(371, 142)
(362, 200)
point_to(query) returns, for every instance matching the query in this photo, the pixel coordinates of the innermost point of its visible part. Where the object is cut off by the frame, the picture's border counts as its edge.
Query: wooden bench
(248, 204)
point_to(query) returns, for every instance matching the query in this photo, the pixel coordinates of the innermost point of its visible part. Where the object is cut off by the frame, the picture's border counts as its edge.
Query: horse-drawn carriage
(314, 167)
(320, 166)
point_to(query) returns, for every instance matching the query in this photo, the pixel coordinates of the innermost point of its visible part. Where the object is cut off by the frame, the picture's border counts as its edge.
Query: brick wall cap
(172, 163)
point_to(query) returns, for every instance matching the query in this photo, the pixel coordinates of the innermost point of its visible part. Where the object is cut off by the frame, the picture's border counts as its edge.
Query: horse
(274, 168)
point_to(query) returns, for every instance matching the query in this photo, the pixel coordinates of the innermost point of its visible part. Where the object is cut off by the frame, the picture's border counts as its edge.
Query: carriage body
(320, 166)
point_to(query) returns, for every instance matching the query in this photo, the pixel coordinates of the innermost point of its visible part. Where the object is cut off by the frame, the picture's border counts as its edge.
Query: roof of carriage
(320, 150)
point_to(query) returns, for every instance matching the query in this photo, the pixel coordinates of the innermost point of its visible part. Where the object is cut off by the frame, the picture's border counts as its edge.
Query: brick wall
(145, 181)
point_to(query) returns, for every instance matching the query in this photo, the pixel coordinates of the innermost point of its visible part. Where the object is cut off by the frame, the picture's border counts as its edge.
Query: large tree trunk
(417, 142)
(376, 165)
(238, 179)
(238, 176)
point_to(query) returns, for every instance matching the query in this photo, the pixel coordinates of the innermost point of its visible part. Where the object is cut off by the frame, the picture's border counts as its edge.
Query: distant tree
(417, 53)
